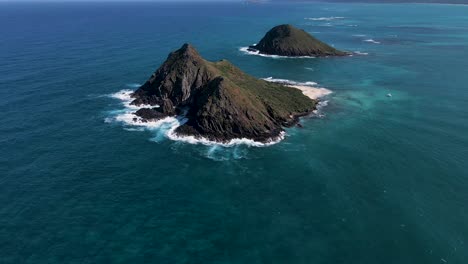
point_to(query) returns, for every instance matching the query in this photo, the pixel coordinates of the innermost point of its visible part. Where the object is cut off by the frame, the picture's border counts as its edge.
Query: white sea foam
(231, 143)
(289, 82)
(129, 118)
(220, 153)
(126, 97)
(359, 35)
(168, 125)
(318, 112)
(324, 18)
(134, 85)
(371, 41)
(360, 53)
(257, 53)
(139, 129)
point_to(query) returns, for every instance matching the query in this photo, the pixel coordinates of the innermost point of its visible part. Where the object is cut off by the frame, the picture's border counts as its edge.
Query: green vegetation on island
(221, 101)
(287, 40)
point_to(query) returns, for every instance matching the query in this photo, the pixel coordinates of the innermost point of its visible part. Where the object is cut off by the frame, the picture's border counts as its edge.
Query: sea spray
(166, 127)
(324, 18)
(289, 82)
(249, 51)
(371, 41)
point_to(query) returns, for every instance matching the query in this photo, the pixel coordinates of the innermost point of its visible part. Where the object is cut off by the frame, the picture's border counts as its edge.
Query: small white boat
(389, 95)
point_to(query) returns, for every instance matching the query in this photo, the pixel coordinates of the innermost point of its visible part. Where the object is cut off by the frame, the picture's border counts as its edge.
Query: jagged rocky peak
(183, 72)
(221, 101)
(287, 40)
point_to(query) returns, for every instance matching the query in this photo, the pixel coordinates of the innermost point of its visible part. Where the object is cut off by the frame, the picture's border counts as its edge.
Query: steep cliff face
(286, 40)
(224, 110)
(181, 75)
(223, 102)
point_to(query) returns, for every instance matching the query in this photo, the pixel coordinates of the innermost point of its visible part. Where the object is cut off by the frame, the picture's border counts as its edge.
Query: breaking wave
(246, 50)
(126, 97)
(289, 82)
(257, 53)
(318, 112)
(357, 52)
(371, 41)
(134, 85)
(233, 142)
(168, 125)
(324, 18)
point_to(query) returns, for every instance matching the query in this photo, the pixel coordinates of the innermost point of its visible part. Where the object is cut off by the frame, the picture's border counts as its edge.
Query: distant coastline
(454, 2)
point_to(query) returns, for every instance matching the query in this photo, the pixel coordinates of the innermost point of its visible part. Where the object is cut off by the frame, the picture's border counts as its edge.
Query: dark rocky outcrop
(222, 101)
(150, 114)
(181, 75)
(286, 40)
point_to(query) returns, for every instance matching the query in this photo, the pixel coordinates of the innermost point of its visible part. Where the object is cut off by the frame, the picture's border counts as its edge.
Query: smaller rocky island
(218, 100)
(287, 40)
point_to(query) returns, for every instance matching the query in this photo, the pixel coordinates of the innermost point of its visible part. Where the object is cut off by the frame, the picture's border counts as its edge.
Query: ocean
(368, 179)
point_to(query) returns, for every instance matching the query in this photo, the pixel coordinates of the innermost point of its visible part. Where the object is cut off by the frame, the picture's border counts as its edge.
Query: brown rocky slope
(221, 102)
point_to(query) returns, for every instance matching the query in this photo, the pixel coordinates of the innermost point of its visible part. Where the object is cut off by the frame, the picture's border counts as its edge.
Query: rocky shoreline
(220, 102)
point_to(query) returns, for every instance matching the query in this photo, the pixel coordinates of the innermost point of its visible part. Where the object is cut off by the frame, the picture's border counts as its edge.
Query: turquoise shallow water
(375, 180)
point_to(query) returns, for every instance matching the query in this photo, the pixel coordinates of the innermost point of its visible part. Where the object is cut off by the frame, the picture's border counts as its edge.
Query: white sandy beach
(312, 92)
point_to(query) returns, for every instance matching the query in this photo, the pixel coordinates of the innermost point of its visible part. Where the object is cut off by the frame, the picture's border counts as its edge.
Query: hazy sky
(397, 1)
(126, 0)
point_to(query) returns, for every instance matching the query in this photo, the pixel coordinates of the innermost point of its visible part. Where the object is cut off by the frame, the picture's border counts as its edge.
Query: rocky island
(219, 101)
(287, 40)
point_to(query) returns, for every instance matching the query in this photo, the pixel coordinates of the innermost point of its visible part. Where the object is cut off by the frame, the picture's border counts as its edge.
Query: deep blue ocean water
(376, 179)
